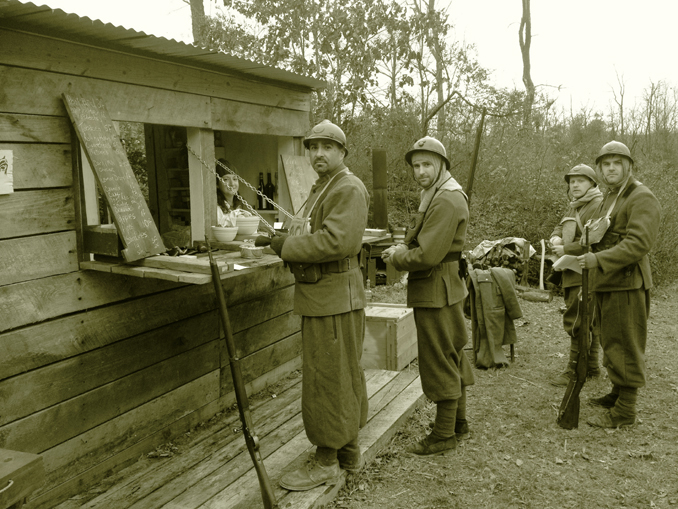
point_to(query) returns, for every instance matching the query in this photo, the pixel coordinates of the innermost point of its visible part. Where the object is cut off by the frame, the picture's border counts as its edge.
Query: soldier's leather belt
(340, 265)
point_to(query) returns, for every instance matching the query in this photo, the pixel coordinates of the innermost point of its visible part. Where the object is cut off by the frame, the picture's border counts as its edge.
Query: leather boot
(623, 413)
(607, 401)
(350, 458)
(564, 378)
(431, 446)
(313, 473)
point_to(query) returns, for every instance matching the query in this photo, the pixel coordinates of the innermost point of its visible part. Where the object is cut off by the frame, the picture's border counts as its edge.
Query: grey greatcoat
(334, 394)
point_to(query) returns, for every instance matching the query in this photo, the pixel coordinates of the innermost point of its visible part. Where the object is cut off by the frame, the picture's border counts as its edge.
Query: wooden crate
(390, 337)
(21, 473)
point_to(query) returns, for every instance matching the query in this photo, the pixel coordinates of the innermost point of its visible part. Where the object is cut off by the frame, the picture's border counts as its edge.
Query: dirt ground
(518, 457)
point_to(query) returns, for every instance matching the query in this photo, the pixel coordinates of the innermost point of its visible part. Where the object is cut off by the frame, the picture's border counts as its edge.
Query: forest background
(393, 76)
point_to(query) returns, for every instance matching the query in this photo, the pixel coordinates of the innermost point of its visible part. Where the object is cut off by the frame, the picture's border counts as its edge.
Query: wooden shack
(104, 355)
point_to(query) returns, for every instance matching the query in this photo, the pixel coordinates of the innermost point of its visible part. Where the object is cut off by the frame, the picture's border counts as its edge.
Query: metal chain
(259, 193)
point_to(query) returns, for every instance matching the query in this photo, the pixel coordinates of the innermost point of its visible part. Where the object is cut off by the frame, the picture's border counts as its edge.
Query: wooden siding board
(260, 335)
(47, 428)
(26, 213)
(248, 118)
(261, 362)
(33, 128)
(50, 342)
(126, 102)
(31, 51)
(30, 302)
(36, 257)
(35, 301)
(39, 165)
(39, 389)
(264, 308)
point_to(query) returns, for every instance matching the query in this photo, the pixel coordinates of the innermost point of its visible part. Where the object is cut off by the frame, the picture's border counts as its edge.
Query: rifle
(568, 415)
(251, 439)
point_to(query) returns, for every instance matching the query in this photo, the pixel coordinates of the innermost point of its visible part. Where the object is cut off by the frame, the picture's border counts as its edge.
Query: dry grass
(518, 457)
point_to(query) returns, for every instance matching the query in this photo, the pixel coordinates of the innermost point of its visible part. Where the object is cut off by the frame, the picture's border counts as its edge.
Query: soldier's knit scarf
(569, 222)
(444, 182)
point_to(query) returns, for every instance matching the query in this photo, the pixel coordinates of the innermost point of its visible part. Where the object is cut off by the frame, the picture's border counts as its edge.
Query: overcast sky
(577, 45)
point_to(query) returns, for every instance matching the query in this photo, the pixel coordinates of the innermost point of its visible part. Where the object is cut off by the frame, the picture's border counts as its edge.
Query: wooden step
(215, 469)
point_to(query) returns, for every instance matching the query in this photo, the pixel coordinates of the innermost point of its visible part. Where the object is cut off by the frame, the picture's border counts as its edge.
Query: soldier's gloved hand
(556, 241)
(387, 255)
(262, 240)
(277, 243)
(587, 261)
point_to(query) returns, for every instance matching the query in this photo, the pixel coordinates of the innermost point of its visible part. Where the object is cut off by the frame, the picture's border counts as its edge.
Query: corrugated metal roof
(44, 20)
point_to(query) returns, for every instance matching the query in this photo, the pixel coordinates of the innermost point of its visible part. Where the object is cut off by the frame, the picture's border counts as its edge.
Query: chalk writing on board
(115, 177)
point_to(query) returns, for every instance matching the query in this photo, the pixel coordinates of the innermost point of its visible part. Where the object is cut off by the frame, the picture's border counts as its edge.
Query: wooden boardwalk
(213, 468)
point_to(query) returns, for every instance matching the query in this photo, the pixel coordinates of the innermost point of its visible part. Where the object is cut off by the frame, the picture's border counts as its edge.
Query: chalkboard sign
(113, 173)
(300, 177)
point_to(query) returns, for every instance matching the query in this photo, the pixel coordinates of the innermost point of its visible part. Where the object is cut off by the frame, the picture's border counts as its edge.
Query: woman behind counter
(228, 201)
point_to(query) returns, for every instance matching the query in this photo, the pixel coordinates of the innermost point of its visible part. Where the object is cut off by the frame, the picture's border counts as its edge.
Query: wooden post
(203, 187)
(526, 262)
(379, 188)
(474, 162)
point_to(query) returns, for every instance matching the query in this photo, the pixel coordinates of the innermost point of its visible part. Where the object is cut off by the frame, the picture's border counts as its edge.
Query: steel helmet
(326, 130)
(616, 148)
(582, 170)
(428, 144)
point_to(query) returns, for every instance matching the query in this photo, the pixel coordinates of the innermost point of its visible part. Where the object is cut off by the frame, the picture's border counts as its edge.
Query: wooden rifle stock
(568, 414)
(251, 439)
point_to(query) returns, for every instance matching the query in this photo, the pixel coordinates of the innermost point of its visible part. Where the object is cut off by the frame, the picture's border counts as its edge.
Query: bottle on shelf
(269, 191)
(260, 201)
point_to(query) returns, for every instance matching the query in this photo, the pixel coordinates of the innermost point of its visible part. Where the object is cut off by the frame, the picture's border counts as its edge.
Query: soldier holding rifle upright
(585, 197)
(621, 278)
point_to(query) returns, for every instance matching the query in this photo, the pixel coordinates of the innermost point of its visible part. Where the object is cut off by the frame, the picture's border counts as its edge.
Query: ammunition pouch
(306, 272)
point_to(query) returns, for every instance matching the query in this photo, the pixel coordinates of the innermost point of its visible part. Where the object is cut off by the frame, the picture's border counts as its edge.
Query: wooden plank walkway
(214, 469)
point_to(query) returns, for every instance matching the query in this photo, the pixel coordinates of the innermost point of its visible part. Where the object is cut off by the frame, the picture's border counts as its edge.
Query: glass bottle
(260, 200)
(269, 191)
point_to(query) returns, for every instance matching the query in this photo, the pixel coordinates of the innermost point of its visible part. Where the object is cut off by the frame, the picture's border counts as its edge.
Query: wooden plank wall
(97, 369)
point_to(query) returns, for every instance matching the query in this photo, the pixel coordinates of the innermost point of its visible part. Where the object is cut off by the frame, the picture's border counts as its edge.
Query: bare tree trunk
(620, 103)
(394, 76)
(197, 20)
(650, 105)
(525, 38)
(437, 50)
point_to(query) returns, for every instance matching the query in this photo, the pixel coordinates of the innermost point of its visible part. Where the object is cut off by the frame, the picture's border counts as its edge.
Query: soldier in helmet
(585, 196)
(621, 279)
(322, 252)
(436, 290)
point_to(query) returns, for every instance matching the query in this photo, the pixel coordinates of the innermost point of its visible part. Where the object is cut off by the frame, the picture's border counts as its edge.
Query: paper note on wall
(6, 172)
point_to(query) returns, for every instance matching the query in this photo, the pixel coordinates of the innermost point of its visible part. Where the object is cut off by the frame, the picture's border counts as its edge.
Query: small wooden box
(21, 473)
(390, 337)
